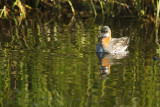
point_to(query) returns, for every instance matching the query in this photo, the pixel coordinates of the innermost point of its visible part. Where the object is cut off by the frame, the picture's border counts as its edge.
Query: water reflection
(52, 62)
(107, 60)
(156, 58)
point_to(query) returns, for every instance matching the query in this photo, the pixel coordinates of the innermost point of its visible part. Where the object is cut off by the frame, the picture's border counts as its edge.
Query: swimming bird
(111, 45)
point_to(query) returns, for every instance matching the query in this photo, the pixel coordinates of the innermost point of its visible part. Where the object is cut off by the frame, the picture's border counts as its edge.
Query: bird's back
(117, 45)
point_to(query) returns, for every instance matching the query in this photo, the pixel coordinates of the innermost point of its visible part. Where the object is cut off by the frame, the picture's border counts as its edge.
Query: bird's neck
(105, 41)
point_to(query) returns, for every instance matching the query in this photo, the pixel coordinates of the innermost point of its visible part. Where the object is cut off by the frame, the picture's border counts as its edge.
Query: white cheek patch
(106, 35)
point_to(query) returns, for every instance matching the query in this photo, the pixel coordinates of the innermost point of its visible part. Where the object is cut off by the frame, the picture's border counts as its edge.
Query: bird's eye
(104, 31)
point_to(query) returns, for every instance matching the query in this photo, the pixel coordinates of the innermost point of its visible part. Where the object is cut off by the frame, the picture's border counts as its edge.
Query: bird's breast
(105, 41)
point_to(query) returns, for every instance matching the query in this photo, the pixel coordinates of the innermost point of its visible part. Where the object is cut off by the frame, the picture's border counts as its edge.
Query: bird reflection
(106, 60)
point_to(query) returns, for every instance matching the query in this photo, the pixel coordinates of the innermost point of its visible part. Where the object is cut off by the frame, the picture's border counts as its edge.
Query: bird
(111, 45)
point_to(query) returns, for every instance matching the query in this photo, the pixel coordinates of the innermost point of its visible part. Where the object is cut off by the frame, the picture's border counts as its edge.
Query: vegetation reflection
(47, 62)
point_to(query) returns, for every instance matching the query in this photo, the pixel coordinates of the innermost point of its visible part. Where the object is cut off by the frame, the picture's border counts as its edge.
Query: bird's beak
(100, 35)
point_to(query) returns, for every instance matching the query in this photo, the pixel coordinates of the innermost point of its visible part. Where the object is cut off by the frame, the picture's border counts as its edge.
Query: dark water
(52, 62)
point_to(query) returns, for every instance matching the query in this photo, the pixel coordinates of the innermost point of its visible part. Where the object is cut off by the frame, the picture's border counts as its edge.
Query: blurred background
(47, 53)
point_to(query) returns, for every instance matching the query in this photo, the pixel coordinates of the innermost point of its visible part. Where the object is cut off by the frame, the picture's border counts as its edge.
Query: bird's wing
(118, 44)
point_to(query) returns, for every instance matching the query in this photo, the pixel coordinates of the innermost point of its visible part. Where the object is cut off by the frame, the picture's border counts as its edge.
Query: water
(46, 62)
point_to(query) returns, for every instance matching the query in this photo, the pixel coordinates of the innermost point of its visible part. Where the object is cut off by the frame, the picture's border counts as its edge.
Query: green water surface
(52, 63)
